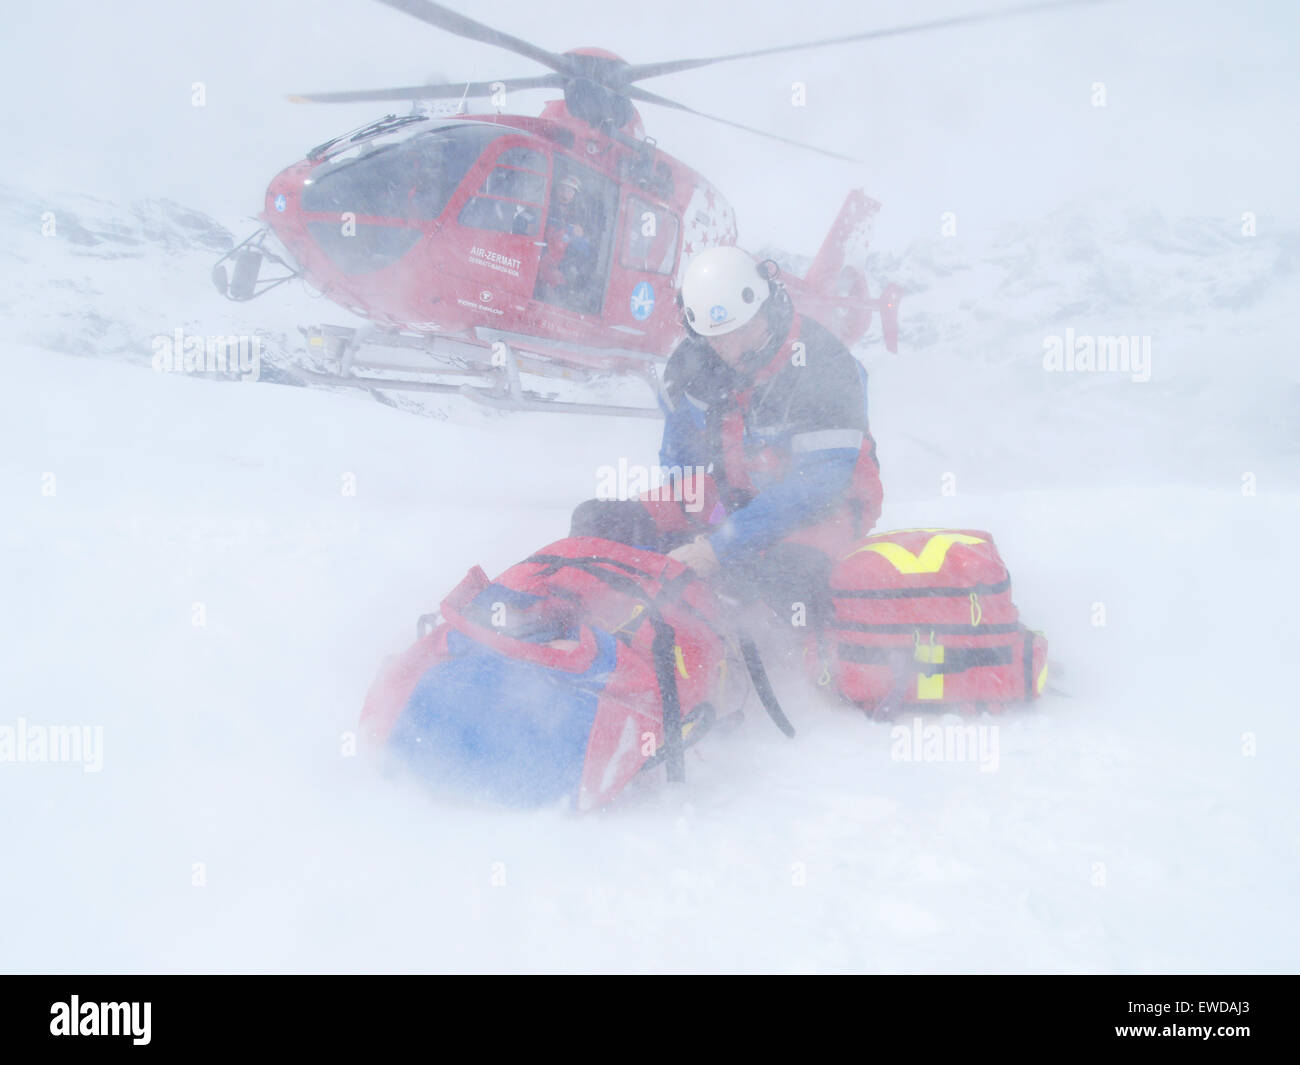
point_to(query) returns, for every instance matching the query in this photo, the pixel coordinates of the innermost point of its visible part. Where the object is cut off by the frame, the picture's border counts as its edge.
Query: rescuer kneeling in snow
(774, 408)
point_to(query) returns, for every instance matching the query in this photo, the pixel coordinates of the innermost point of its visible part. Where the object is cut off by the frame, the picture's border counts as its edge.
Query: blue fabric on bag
(503, 729)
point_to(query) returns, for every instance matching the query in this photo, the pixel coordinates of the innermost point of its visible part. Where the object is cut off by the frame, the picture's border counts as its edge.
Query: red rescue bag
(572, 672)
(925, 617)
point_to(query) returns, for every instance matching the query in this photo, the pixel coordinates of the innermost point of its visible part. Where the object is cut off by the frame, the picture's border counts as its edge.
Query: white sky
(993, 122)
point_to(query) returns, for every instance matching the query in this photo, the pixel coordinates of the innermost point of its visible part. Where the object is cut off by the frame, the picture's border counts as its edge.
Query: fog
(992, 121)
(1115, 168)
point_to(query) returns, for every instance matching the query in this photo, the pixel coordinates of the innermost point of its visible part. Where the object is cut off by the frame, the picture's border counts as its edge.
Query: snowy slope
(222, 742)
(1212, 302)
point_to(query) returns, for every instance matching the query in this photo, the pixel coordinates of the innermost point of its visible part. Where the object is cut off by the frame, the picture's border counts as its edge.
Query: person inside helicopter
(567, 271)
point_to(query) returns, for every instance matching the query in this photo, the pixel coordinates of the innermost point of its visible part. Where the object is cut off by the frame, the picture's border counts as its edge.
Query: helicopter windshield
(411, 179)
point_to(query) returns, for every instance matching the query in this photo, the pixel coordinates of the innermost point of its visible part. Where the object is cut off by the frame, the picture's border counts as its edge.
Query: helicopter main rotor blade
(638, 71)
(636, 93)
(463, 26)
(449, 91)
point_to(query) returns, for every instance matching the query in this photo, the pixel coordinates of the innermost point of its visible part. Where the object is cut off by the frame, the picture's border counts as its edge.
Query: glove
(698, 555)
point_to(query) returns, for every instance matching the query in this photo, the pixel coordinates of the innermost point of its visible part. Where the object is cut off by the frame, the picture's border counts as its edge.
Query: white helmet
(722, 290)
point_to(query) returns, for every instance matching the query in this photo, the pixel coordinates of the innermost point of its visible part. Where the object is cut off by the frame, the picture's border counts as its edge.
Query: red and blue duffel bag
(924, 617)
(572, 672)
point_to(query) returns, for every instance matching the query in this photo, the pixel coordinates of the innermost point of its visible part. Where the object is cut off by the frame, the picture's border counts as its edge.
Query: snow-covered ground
(210, 572)
(1123, 829)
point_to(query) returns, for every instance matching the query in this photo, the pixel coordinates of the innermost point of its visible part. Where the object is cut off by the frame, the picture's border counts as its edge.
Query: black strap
(1028, 656)
(917, 593)
(763, 686)
(661, 649)
(665, 661)
(670, 589)
(671, 709)
(715, 419)
(558, 562)
(955, 659)
(700, 721)
(947, 630)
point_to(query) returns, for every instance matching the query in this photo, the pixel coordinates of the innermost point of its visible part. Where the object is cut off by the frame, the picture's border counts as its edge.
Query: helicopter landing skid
(487, 374)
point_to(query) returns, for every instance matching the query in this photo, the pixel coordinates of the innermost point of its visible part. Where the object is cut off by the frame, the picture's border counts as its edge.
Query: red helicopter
(482, 247)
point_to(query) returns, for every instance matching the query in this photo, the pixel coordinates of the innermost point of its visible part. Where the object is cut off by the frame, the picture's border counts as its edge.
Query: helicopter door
(640, 291)
(507, 210)
(578, 239)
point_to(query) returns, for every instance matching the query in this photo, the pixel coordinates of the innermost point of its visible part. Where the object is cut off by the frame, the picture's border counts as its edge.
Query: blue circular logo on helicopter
(717, 313)
(279, 202)
(643, 301)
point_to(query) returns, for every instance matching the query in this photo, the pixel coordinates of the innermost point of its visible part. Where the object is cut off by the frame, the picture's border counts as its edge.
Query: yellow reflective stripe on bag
(929, 687)
(931, 558)
(681, 661)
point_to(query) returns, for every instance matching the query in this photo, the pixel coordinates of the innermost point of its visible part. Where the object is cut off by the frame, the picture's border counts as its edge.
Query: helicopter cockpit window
(500, 216)
(511, 196)
(521, 185)
(649, 238)
(523, 159)
(411, 179)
